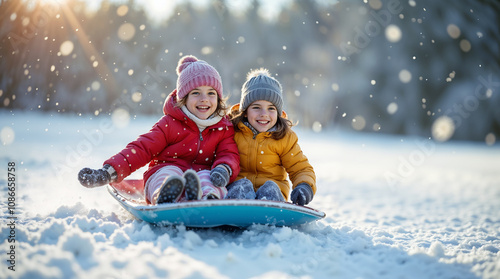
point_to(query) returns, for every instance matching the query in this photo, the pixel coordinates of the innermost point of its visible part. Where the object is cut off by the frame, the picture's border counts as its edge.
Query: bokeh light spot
(122, 10)
(126, 32)
(392, 108)
(67, 48)
(7, 135)
(404, 76)
(393, 33)
(443, 128)
(120, 118)
(317, 127)
(136, 97)
(490, 139)
(358, 123)
(453, 31)
(465, 45)
(96, 85)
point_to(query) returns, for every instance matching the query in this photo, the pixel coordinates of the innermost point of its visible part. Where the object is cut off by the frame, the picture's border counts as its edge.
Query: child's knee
(241, 189)
(270, 191)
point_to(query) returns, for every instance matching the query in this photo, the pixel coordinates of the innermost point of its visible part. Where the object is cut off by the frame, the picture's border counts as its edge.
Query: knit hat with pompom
(194, 73)
(261, 86)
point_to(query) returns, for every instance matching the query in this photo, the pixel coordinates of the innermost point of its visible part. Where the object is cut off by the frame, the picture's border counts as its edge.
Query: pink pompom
(184, 62)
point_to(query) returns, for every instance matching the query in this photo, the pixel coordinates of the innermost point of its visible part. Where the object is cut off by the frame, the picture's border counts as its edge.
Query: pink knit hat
(195, 73)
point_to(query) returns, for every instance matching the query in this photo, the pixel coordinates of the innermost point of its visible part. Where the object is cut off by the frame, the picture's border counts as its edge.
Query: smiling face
(202, 101)
(262, 115)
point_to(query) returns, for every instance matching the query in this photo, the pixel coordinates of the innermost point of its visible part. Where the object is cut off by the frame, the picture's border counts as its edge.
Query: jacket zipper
(200, 139)
(255, 145)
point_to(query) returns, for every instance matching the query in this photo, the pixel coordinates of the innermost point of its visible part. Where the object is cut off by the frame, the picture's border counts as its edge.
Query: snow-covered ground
(397, 207)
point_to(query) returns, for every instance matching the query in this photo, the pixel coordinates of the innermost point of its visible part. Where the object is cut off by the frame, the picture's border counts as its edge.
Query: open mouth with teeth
(261, 125)
(203, 108)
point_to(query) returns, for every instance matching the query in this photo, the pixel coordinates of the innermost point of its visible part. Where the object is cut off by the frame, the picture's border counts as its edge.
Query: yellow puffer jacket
(263, 158)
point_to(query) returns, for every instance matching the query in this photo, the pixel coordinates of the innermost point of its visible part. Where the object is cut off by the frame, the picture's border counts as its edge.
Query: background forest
(425, 68)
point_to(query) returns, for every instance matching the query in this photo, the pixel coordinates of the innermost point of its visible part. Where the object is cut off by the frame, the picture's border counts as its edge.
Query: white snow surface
(397, 207)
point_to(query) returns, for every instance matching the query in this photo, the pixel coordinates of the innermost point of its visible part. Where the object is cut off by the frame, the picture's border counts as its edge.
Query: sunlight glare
(53, 2)
(158, 10)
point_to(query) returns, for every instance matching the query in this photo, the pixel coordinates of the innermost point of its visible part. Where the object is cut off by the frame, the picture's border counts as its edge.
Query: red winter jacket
(176, 140)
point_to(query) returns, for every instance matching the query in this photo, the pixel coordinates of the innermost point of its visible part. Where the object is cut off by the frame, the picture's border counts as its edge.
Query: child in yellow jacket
(269, 152)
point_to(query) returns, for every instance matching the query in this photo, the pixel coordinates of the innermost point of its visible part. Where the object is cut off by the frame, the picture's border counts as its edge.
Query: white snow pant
(155, 181)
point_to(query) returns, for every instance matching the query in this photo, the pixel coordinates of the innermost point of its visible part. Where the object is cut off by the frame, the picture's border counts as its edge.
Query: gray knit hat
(261, 86)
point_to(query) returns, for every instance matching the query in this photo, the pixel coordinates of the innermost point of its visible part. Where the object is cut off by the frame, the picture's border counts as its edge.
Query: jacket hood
(170, 105)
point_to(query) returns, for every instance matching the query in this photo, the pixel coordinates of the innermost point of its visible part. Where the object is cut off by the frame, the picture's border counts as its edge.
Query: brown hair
(283, 125)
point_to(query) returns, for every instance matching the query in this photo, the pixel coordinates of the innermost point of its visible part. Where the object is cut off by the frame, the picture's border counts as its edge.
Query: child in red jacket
(191, 151)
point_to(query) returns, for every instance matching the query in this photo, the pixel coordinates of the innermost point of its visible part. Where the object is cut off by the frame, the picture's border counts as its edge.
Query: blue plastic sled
(211, 213)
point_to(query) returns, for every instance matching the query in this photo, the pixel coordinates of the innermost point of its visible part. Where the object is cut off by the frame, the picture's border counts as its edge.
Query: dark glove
(93, 178)
(302, 194)
(219, 176)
